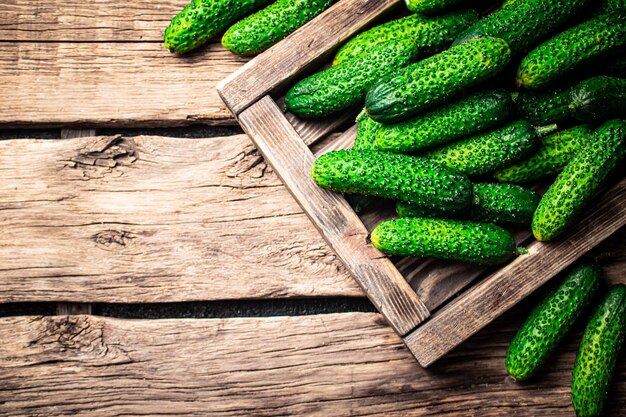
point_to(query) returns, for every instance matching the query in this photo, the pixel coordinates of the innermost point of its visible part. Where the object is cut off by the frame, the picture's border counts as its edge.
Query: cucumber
(550, 321)
(598, 99)
(524, 23)
(434, 80)
(201, 20)
(431, 34)
(431, 6)
(491, 202)
(571, 50)
(469, 115)
(554, 152)
(481, 243)
(366, 130)
(487, 152)
(598, 353)
(579, 180)
(343, 86)
(387, 175)
(258, 32)
(594, 99)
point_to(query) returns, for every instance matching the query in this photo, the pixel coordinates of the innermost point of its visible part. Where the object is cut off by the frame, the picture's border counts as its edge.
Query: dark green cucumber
(487, 152)
(343, 86)
(580, 180)
(469, 115)
(598, 354)
(201, 20)
(491, 202)
(550, 321)
(572, 49)
(595, 99)
(524, 23)
(554, 152)
(258, 32)
(598, 99)
(481, 243)
(432, 6)
(431, 34)
(387, 175)
(434, 80)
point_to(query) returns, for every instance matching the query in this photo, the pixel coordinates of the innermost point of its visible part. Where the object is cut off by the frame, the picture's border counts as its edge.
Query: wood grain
(154, 219)
(334, 218)
(302, 50)
(487, 300)
(96, 20)
(339, 365)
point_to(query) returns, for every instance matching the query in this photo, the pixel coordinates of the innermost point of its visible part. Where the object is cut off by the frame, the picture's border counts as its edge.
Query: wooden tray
(416, 302)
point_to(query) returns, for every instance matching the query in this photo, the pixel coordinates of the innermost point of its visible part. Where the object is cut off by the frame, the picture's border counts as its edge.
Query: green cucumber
(343, 86)
(366, 130)
(594, 99)
(487, 152)
(554, 152)
(572, 49)
(258, 32)
(481, 243)
(431, 34)
(491, 202)
(598, 99)
(202, 20)
(395, 176)
(598, 354)
(524, 23)
(469, 115)
(550, 321)
(431, 6)
(434, 80)
(580, 180)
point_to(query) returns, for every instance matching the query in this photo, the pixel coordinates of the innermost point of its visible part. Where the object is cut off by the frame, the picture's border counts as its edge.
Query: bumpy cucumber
(598, 353)
(481, 243)
(366, 130)
(554, 152)
(487, 152)
(434, 80)
(431, 34)
(579, 180)
(594, 99)
(345, 85)
(524, 23)
(431, 6)
(201, 20)
(598, 99)
(572, 49)
(550, 321)
(469, 115)
(491, 202)
(267, 27)
(387, 175)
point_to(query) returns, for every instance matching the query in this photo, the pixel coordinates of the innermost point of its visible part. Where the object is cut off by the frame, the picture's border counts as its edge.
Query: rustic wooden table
(101, 234)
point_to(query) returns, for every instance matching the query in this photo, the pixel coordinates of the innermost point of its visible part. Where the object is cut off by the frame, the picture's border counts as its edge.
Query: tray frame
(284, 141)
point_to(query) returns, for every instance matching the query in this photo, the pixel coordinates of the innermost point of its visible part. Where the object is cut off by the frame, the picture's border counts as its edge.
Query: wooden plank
(486, 301)
(107, 84)
(324, 365)
(304, 49)
(334, 218)
(154, 219)
(96, 20)
(75, 308)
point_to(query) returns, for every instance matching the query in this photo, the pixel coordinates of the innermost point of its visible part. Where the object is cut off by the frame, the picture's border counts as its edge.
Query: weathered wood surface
(324, 365)
(487, 300)
(304, 49)
(332, 215)
(148, 219)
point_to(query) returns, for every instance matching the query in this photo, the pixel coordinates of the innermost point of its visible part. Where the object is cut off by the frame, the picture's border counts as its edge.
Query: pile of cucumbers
(462, 115)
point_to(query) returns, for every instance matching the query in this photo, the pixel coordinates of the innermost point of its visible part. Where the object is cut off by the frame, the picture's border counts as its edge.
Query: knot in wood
(249, 162)
(104, 156)
(113, 238)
